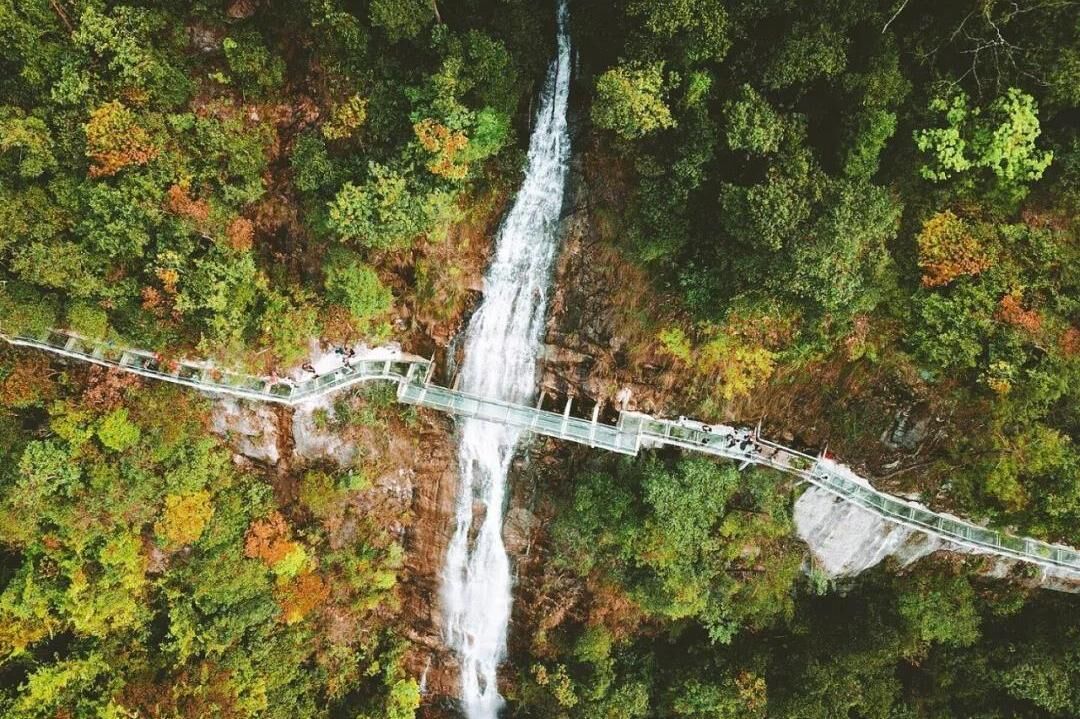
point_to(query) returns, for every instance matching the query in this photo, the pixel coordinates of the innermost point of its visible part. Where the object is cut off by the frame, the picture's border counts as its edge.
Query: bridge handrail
(206, 377)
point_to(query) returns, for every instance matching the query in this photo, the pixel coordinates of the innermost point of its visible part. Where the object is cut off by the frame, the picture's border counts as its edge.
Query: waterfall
(501, 346)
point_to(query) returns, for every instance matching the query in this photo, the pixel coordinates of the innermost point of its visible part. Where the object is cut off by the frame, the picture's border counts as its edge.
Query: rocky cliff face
(414, 490)
(591, 349)
(433, 491)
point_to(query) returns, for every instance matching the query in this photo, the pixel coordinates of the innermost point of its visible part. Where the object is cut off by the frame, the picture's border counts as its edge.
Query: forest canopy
(844, 210)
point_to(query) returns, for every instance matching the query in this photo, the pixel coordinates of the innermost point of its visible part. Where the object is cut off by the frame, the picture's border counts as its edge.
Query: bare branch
(59, 10)
(895, 15)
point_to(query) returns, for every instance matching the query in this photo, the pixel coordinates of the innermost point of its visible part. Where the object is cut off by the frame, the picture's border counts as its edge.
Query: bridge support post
(592, 430)
(427, 380)
(537, 412)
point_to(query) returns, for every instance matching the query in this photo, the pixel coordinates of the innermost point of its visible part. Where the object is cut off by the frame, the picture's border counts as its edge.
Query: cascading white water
(501, 347)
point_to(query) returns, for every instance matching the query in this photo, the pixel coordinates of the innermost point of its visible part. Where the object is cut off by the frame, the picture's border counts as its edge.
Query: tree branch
(59, 10)
(895, 15)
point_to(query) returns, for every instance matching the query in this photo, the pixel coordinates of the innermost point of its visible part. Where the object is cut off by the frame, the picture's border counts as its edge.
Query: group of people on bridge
(346, 353)
(742, 441)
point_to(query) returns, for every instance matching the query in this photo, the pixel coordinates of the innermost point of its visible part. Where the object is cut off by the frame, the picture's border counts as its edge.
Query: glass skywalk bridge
(690, 436)
(632, 432)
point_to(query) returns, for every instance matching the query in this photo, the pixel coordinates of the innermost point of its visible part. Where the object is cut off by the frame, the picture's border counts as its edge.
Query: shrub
(117, 432)
(355, 286)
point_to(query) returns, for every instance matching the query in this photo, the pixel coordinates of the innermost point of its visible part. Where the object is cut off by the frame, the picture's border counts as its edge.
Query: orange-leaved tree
(115, 140)
(948, 249)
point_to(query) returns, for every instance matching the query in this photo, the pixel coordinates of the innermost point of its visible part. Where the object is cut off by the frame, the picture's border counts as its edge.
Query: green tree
(61, 265)
(28, 141)
(1002, 140)
(254, 68)
(842, 264)
(811, 50)
(630, 102)
(767, 215)
(670, 536)
(382, 213)
(752, 124)
(122, 38)
(939, 606)
(46, 466)
(287, 326)
(117, 432)
(220, 292)
(952, 327)
(401, 19)
(701, 25)
(313, 170)
(25, 311)
(88, 320)
(872, 132)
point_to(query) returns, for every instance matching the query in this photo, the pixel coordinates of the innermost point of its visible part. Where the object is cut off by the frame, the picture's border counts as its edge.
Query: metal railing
(633, 430)
(205, 377)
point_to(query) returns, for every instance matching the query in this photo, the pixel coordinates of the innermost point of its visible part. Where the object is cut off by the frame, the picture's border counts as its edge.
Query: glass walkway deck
(531, 419)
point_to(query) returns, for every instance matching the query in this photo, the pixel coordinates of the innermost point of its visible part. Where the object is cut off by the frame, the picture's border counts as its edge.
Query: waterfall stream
(501, 347)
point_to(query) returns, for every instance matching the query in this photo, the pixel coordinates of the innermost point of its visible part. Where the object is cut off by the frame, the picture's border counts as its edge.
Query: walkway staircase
(632, 431)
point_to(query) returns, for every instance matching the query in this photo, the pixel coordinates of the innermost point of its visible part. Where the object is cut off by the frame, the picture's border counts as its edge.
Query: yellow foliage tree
(25, 614)
(184, 519)
(446, 146)
(737, 362)
(739, 367)
(346, 119)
